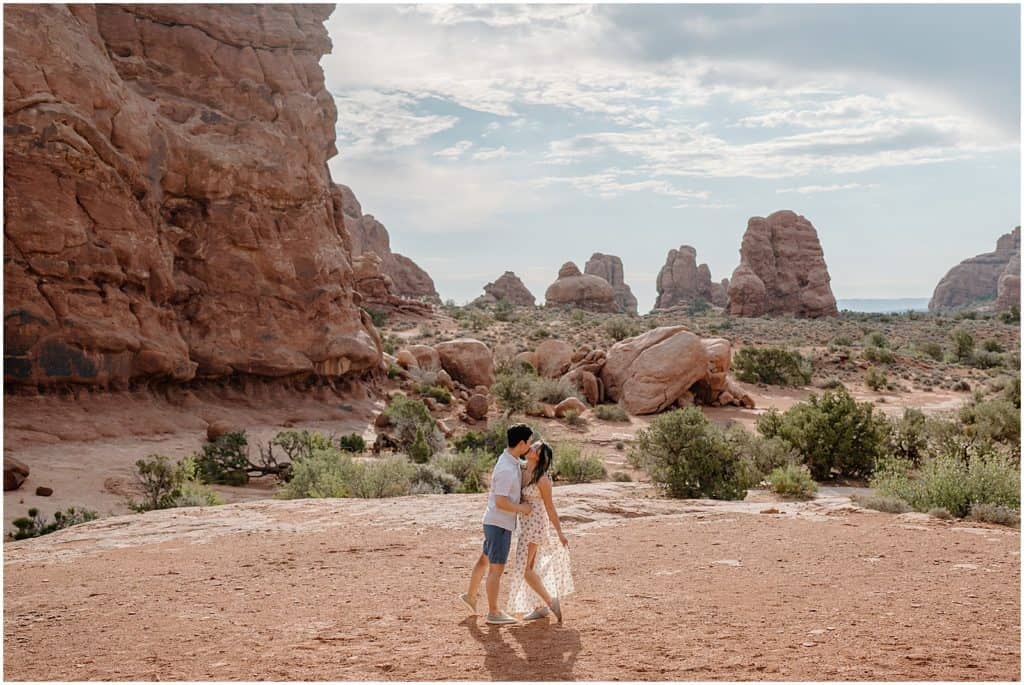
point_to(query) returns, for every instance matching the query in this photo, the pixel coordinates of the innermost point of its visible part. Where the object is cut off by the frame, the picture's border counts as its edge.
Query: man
(499, 521)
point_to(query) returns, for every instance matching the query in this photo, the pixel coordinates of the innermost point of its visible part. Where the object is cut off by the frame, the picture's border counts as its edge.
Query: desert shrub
(577, 316)
(876, 339)
(353, 442)
(622, 477)
(491, 440)
(995, 513)
(986, 360)
(300, 444)
(378, 317)
(997, 420)
(792, 480)
(930, 349)
(688, 456)
(697, 306)
(1010, 317)
(551, 390)
(575, 467)
(395, 371)
(760, 455)
(225, 460)
(574, 419)
(830, 383)
(949, 480)
(963, 345)
(540, 334)
(611, 412)
(992, 345)
(413, 426)
(841, 341)
(620, 328)
(1011, 391)
(878, 355)
(439, 393)
(831, 433)
(161, 481)
(771, 365)
(329, 473)
(908, 438)
(430, 479)
(471, 468)
(892, 505)
(35, 524)
(504, 311)
(876, 380)
(514, 391)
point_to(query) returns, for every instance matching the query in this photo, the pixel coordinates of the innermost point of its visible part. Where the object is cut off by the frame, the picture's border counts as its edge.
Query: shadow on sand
(549, 650)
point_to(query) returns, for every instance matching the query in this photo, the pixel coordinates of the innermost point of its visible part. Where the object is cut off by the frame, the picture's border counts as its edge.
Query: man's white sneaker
(500, 619)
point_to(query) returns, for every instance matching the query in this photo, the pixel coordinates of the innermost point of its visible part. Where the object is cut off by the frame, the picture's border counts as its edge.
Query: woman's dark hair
(518, 433)
(545, 456)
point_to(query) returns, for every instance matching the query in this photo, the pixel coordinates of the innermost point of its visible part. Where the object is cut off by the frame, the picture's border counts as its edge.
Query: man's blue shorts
(497, 543)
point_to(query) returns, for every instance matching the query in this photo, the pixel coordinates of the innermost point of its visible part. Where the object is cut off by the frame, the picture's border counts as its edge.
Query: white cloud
(454, 151)
(371, 122)
(492, 153)
(808, 190)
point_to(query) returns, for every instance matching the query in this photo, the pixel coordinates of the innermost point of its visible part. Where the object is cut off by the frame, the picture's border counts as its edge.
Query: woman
(541, 575)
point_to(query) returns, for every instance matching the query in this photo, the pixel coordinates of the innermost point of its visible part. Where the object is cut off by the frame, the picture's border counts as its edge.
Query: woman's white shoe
(537, 613)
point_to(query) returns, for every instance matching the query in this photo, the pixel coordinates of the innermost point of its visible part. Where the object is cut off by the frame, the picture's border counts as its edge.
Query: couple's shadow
(549, 650)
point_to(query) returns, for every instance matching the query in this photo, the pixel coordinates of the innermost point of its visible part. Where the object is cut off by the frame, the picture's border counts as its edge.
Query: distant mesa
(989, 279)
(609, 267)
(408, 280)
(509, 288)
(782, 270)
(573, 288)
(681, 281)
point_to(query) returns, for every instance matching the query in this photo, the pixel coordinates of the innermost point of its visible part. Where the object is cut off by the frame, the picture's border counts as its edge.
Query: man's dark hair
(517, 433)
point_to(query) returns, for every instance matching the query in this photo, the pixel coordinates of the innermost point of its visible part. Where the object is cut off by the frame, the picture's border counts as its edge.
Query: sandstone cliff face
(575, 289)
(369, 235)
(609, 267)
(168, 210)
(977, 280)
(782, 270)
(681, 281)
(507, 287)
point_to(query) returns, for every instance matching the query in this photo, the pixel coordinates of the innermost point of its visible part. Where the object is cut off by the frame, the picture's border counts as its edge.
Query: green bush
(876, 339)
(492, 440)
(550, 390)
(1011, 391)
(330, 473)
(225, 461)
(792, 480)
(573, 466)
(994, 513)
(1010, 317)
(574, 419)
(300, 444)
(876, 380)
(697, 307)
(841, 341)
(948, 480)
(996, 420)
(35, 524)
(931, 349)
(992, 345)
(438, 392)
(504, 311)
(908, 438)
(166, 485)
(688, 456)
(832, 433)
(987, 360)
(540, 334)
(878, 355)
(471, 468)
(963, 345)
(759, 456)
(892, 505)
(611, 412)
(353, 442)
(514, 391)
(622, 477)
(620, 328)
(430, 479)
(414, 428)
(378, 317)
(771, 365)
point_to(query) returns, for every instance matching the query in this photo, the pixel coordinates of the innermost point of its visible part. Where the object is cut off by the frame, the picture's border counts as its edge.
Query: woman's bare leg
(532, 579)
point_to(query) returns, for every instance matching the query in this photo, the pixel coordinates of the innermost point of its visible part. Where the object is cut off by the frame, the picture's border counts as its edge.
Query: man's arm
(503, 503)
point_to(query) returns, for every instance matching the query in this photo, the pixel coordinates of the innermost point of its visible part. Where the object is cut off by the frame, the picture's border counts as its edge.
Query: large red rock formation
(782, 270)
(167, 203)
(609, 267)
(681, 281)
(369, 235)
(978, 280)
(509, 288)
(575, 289)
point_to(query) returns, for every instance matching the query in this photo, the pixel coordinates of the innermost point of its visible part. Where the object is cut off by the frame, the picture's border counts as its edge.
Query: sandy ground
(349, 589)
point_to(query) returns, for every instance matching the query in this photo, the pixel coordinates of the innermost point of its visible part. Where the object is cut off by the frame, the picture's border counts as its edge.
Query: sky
(519, 137)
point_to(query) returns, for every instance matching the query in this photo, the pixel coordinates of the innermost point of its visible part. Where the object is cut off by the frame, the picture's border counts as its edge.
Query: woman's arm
(545, 492)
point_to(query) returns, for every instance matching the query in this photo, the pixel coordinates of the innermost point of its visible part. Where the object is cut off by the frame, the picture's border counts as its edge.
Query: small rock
(44, 491)
(15, 473)
(569, 404)
(477, 406)
(218, 428)
(770, 510)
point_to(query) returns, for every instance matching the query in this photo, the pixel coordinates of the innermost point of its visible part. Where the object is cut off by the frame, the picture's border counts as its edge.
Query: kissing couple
(541, 574)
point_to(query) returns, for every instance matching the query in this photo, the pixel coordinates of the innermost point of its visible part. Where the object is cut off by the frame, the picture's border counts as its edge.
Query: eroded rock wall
(167, 203)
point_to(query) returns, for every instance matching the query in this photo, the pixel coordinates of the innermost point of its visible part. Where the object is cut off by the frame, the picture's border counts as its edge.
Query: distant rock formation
(977, 280)
(720, 293)
(609, 267)
(782, 270)
(168, 209)
(575, 289)
(681, 281)
(508, 287)
(369, 235)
